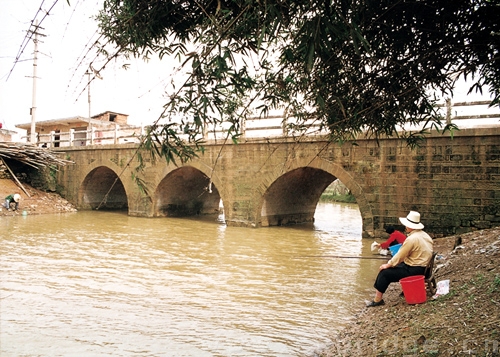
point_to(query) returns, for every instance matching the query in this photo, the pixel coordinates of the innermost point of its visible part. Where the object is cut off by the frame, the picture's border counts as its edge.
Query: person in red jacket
(395, 237)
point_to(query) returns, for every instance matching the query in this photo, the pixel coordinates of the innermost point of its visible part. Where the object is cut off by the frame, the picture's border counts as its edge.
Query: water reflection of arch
(102, 189)
(291, 195)
(186, 191)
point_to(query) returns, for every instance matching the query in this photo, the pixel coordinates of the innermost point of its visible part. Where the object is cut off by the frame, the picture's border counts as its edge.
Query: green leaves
(368, 66)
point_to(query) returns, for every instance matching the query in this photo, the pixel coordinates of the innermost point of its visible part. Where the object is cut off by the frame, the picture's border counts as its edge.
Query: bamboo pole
(31, 155)
(340, 257)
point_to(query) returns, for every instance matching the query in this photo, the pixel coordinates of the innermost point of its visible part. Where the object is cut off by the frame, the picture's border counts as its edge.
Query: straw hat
(17, 197)
(412, 220)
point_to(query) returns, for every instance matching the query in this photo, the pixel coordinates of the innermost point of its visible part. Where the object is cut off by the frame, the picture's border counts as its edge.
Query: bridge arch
(102, 189)
(451, 181)
(291, 195)
(186, 191)
(211, 173)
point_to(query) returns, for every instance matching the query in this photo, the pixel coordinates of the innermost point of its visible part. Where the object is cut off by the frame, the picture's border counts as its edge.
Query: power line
(29, 35)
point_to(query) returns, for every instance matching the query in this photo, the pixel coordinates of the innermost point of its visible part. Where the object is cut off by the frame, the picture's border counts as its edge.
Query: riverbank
(465, 322)
(37, 202)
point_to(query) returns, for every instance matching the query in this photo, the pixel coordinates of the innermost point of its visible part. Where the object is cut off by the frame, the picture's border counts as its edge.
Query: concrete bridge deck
(453, 182)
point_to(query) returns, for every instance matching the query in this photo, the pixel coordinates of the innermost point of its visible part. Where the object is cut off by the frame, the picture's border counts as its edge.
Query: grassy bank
(337, 192)
(347, 198)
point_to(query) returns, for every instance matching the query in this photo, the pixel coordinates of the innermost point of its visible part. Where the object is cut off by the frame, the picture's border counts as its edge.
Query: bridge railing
(464, 114)
(468, 114)
(274, 126)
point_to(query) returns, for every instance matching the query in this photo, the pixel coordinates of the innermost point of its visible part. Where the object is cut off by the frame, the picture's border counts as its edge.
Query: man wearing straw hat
(12, 198)
(411, 259)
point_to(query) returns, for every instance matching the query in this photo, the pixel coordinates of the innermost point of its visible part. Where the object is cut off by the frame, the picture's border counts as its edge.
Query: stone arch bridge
(454, 182)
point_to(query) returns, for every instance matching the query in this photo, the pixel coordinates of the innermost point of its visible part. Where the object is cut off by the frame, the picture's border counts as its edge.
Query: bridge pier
(452, 182)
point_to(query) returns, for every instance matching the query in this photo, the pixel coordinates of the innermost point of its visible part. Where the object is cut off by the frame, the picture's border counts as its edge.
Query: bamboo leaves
(354, 66)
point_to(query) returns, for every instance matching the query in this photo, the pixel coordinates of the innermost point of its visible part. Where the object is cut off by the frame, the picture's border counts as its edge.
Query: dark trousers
(393, 275)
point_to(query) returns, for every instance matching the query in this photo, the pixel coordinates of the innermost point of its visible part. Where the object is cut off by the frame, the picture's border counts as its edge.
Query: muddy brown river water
(106, 284)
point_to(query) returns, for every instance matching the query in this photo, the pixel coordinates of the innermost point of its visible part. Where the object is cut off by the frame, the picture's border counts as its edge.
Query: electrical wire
(29, 34)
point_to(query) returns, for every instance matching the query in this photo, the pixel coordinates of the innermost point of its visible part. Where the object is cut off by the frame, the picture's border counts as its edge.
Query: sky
(61, 80)
(61, 66)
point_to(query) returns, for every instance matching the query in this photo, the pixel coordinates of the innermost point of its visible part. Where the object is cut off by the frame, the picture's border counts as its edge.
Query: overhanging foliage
(353, 66)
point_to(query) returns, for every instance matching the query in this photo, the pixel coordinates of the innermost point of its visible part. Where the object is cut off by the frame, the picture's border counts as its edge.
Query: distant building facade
(6, 135)
(104, 128)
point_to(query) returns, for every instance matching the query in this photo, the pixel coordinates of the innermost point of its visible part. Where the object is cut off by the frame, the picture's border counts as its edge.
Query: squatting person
(12, 198)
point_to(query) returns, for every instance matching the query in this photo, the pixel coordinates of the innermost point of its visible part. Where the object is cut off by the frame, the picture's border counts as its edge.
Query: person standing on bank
(12, 198)
(411, 259)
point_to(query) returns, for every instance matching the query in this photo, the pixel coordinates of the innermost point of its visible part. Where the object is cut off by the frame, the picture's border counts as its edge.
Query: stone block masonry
(454, 182)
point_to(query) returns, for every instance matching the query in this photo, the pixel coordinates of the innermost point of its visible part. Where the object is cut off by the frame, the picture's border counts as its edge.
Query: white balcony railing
(100, 136)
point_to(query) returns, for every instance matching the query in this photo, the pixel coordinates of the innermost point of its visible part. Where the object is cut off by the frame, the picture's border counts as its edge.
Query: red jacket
(395, 236)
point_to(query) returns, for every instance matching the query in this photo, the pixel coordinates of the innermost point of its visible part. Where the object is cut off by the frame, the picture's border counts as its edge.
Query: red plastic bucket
(414, 289)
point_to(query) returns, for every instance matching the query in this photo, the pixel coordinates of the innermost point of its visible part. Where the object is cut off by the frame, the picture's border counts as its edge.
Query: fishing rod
(340, 257)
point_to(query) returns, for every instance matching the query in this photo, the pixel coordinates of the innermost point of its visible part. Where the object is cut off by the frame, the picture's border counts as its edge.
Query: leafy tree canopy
(352, 65)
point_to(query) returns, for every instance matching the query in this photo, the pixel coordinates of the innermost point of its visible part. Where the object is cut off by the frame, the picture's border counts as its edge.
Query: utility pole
(33, 98)
(88, 73)
(89, 127)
